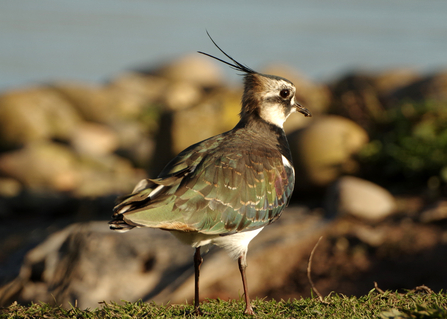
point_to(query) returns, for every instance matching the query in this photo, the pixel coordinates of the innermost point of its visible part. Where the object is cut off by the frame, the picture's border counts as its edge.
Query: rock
(323, 150)
(94, 102)
(148, 87)
(103, 104)
(9, 187)
(135, 142)
(356, 97)
(365, 97)
(435, 213)
(389, 81)
(433, 87)
(88, 263)
(137, 97)
(105, 175)
(360, 198)
(195, 124)
(373, 236)
(43, 165)
(35, 114)
(55, 167)
(181, 95)
(194, 69)
(215, 114)
(94, 139)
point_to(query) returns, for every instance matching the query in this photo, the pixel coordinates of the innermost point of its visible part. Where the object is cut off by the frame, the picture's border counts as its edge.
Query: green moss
(374, 305)
(410, 145)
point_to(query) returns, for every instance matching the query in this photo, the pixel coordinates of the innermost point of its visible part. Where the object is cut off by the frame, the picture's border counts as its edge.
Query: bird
(223, 190)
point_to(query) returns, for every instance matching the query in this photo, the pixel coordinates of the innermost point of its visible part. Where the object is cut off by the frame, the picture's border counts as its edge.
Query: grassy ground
(377, 304)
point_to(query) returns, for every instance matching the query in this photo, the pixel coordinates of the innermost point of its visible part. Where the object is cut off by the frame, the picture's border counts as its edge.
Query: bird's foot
(249, 311)
(197, 312)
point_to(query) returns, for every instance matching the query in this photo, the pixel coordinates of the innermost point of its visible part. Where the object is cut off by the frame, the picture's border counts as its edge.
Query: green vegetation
(421, 304)
(410, 144)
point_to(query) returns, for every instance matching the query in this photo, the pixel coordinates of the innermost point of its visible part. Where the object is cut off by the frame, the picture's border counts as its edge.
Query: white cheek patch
(273, 114)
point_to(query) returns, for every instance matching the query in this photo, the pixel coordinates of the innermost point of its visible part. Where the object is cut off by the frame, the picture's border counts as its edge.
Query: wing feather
(219, 191)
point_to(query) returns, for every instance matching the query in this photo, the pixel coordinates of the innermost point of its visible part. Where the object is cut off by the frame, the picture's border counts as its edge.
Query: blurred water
(87, 40)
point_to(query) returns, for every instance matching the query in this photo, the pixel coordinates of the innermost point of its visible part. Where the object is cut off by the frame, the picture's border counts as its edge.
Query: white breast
(235, 244)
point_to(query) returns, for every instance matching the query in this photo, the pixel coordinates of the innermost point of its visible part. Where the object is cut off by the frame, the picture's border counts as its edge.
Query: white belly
(235, 244)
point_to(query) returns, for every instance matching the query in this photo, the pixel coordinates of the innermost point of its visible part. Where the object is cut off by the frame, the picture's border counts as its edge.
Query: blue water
(93, 40)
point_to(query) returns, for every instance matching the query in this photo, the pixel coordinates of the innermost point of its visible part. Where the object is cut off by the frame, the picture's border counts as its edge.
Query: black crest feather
(237, 66)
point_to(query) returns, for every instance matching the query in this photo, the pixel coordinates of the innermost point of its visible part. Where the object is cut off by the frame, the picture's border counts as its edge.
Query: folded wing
(210, 192)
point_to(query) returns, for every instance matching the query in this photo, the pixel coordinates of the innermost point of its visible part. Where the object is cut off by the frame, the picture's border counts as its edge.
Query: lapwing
(224, 190)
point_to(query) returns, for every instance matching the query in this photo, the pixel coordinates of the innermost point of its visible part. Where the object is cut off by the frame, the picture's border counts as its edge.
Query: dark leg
(242, 265)
(197, 262)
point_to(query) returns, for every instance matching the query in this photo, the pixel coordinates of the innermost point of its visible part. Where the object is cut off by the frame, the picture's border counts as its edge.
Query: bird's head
(270, 97)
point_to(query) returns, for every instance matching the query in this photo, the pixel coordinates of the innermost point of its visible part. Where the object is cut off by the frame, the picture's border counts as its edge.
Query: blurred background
(54, 40)
(96, 95)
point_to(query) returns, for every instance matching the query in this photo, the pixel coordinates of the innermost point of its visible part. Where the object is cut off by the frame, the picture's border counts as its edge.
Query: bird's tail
(119, 225)
(140, 196)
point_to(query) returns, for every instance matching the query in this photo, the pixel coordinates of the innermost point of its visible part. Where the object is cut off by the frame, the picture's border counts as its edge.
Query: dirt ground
(399, 253)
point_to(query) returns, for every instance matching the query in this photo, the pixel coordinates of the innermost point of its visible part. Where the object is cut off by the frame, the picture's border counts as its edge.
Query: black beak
(303, 110)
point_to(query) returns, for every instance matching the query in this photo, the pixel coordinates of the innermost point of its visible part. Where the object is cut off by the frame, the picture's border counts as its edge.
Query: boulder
(432, 87)
(194, 69)
(389, 81)
(136, 142)
(200, 122)
(55, 167)
(35, 114)
(9, 187)
(181, 95)
(216, 113)
(93, 102)
(359, 198)
(355, 97)
(45, 165)
(324, 150)
(88, 263)
(104, 104)
(106, 175)
(145, 87)
(436, 213)
(94, 139)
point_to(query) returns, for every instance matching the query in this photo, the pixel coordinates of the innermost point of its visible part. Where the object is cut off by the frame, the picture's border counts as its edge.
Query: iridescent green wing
(236, 192)
(151, 202)
(215, 189)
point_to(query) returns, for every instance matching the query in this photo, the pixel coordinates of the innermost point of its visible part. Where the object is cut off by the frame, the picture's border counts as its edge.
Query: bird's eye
(284, 93)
